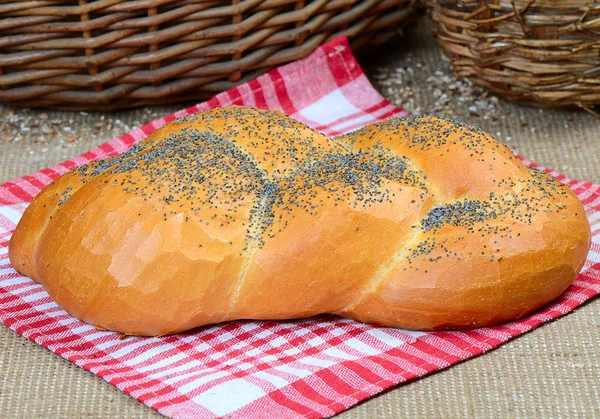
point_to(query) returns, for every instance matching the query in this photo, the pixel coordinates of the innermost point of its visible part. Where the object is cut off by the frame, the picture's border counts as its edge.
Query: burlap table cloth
(81, 399)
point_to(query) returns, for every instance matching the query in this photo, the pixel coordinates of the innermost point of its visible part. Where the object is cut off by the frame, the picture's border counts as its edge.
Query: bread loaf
(419, 223)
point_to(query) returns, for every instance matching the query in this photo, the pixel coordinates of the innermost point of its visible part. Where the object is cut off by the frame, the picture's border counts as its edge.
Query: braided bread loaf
(419, 223)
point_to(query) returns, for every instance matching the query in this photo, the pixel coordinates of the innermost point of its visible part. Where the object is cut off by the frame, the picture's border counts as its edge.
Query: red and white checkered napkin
(312, 368)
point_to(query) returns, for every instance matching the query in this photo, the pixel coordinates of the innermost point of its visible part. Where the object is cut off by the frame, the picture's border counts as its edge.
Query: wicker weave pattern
(110, 54)
(541, 51)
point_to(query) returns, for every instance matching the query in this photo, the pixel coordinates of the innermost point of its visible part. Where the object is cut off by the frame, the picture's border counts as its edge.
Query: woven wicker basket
(538, 51)
(111, 54)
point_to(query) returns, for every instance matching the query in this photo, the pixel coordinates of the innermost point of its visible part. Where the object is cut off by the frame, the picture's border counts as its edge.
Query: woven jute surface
(553, 371)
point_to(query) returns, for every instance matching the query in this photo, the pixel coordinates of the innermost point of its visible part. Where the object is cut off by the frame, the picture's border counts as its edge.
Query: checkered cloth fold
(309, 368)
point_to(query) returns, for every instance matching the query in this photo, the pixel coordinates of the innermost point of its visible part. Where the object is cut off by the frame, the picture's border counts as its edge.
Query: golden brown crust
(420, 223)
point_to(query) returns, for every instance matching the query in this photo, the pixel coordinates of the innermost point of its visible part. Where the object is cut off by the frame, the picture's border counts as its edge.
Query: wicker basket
(111, 54)
(538, 51)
